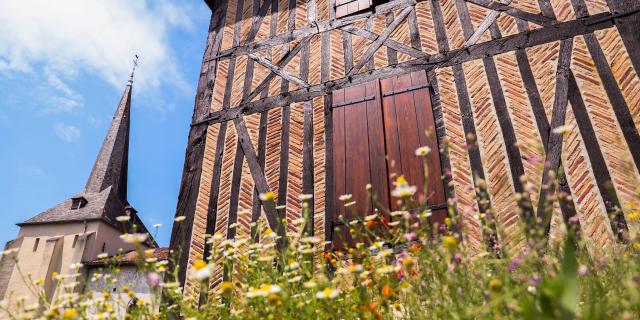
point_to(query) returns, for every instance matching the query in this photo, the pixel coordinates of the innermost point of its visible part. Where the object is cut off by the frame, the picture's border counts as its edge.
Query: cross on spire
(135, 64)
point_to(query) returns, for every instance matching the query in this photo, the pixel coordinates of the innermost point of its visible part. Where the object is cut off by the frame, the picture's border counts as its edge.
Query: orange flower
(371, 307)
(386, 291)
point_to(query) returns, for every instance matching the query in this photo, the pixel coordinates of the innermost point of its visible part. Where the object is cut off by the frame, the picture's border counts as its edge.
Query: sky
(64, 65)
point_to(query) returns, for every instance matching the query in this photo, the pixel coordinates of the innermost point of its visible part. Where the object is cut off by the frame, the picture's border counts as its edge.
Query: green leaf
(569, 298)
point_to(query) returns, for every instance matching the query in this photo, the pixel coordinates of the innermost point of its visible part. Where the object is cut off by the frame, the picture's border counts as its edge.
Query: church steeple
(110, 168)
(105, 194)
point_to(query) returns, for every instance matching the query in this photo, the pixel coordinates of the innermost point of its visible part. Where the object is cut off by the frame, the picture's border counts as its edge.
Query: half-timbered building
(322, 97)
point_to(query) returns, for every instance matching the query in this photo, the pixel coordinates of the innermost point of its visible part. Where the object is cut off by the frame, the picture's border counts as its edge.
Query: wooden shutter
(377, 119)
(358, 152)
(409, 124)
(346, 7)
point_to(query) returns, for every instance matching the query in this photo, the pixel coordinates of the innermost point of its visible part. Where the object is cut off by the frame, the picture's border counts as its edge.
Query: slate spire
(110, 168)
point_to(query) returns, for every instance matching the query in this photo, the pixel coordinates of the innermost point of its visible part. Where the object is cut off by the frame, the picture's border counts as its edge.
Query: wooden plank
(368, 26)
(413, 29)
(438, 22)
(428, 137)
(307, 164)
(262, 144)
(375, 133)
(347, 45)
(357, 169)
(330, 204)
(311, 12)
(554, 143)
(307, 146)
(325, 58)
(284, 157)
(339, 156)
(400, 114)
(378, 42)
(394, 152)
(465, 21)
(392, 55)
(332, 10)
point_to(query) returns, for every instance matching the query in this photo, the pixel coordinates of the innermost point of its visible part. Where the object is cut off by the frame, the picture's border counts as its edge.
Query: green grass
(405, 269)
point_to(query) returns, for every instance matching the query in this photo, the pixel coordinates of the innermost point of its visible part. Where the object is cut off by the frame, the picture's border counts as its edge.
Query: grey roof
(110, 168)
(62, 212)
(106, 188)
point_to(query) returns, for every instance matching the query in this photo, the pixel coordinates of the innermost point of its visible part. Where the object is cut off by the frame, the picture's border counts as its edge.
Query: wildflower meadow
(400, 265)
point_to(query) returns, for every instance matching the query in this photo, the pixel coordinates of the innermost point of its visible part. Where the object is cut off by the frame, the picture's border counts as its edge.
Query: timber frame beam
(554, 32)
(554, 143)
(514, 12)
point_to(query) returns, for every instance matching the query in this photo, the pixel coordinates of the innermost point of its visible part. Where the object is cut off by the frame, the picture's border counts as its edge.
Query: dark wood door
(409, 125)
(377, 126)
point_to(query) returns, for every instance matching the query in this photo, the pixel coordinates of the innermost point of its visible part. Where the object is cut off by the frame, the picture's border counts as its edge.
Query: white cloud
(63, 98)
(68, 133)
(100, 37)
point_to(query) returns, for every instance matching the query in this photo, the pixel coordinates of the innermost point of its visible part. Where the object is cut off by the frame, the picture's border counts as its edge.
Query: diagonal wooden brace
(393, 44)
(277, 70)
(260, 181)
(554, 144)
(380, 40)
(281, 64)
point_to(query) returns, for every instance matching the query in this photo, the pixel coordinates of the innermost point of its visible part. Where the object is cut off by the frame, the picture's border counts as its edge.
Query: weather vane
(135, 64)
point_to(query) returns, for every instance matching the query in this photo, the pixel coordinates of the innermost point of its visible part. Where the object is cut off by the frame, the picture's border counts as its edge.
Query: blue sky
(63, 67)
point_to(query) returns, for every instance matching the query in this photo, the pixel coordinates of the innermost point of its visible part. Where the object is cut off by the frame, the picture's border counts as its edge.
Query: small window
(347, 7)
(104, 247)
(35, 245)
(77, 203)
(75, 241)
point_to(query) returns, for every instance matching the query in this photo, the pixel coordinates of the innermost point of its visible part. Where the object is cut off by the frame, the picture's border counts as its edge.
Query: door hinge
(399, 91)
(350, 102)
